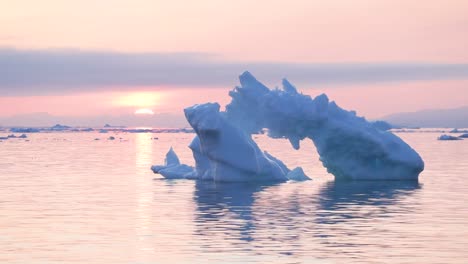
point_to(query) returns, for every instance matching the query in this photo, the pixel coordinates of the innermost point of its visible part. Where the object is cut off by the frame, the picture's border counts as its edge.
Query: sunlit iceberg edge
(350, 147)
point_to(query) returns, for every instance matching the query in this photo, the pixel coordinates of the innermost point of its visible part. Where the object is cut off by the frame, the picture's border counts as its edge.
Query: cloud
(41, 72)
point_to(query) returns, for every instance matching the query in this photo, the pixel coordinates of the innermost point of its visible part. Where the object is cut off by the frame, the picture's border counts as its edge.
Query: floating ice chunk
(172, 169)
(180, 171)
(448, 137)
(59, 127)
(456, 130)
(463, 136)
(23, 136)
(24, 130)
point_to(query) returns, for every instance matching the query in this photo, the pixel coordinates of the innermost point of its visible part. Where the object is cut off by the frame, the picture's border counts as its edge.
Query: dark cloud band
(40, 72)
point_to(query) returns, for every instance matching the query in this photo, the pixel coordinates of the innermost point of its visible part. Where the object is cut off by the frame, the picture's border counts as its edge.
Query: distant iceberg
(456, 130)
(448, 137)
(348, 145)
(59, 127)
(24, 130)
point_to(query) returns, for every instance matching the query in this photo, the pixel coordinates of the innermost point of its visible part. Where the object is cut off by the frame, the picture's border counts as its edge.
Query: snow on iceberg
(348, 145)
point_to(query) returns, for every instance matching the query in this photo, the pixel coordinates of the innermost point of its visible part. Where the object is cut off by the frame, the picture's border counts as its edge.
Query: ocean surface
(67, 198)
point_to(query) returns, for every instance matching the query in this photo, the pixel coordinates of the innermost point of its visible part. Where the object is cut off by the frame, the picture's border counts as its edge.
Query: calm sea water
(66, 198)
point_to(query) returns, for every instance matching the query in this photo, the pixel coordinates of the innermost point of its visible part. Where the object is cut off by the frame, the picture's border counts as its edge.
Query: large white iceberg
(348, 145)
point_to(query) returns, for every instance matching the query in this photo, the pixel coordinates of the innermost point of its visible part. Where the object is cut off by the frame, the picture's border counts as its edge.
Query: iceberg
(456, 130)
(448, 137)
(349, 146)
(463, 135)
(24, 130)
(59, 127)
(172, 169)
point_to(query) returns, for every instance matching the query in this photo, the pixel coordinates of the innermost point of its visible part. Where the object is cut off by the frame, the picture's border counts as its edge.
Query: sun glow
(138, 99)
(144, 111)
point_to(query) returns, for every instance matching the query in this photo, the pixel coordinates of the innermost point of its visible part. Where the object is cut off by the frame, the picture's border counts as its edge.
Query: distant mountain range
(166, 120)
(450, 118)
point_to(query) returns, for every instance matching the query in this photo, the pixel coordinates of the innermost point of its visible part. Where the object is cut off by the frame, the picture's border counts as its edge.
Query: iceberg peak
(171, 158)
(288, 87)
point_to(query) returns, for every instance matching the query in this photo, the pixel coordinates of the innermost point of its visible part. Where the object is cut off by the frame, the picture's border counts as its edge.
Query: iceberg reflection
(285, 218)
(342, 201)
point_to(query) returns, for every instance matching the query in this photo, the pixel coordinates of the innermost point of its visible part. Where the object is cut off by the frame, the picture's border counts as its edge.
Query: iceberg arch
(349, 146)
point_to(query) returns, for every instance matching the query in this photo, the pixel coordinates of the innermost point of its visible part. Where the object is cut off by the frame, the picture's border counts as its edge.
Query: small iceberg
(448, 137)
(456, 130)
(172, 169)
(59, 127)
(24, 130)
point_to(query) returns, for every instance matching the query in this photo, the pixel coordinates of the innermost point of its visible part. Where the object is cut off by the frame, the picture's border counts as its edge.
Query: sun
(138, 100)
(144, 111)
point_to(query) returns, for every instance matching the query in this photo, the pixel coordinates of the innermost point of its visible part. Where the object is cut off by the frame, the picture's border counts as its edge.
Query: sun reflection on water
(143, 218)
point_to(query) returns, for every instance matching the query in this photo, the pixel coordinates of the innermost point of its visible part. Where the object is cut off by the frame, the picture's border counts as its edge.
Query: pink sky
(306, 31)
